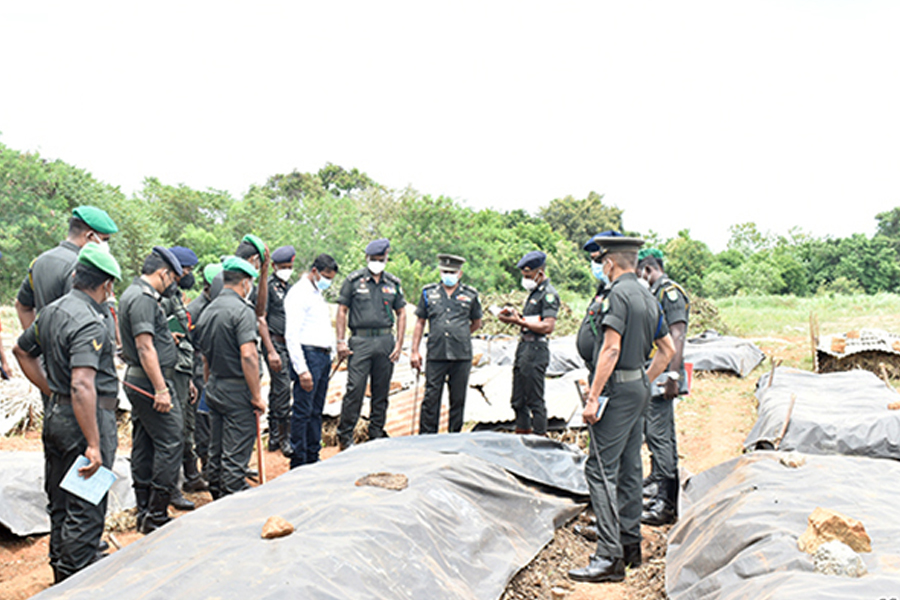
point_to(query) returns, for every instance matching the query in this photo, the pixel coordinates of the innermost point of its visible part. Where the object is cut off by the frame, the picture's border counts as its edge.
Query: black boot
(192, 480)
(588, 532)
(284, 430)
(632, 555)
(663, 510)
(157, 512)
(650, 486)
(599, 570)
(274, 435)
(142, 499)
(179, 502)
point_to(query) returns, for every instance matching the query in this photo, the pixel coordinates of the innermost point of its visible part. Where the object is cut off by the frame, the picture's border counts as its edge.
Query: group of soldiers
(193, 372)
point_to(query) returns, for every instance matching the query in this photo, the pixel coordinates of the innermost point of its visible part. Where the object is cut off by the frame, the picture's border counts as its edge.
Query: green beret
(95, 256)
(96, 219)
(257, 243)
(654, 252)
(233, 263)
(210, 272)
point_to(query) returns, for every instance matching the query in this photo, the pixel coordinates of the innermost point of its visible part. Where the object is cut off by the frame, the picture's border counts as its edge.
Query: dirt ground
(712, 423)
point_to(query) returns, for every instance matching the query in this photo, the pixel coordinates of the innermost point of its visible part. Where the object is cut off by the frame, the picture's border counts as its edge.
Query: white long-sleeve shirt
(308, 321)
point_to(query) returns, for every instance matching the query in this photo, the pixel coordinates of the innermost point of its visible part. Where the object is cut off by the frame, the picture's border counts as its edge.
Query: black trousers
(232, 433)
(456, 374)
(529, 370)
(157, 440)
(279, 387)
(370, 360)
(75, 524)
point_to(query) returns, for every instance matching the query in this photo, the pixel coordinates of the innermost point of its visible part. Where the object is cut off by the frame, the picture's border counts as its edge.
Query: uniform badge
(463, 298)
(97, 345)
(604, 306)
(550, 298)
(363, 289)
(672, 295)
(388, 289)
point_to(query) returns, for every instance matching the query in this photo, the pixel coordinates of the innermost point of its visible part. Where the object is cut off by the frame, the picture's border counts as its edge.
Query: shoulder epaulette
(469, 288)
(357, 274)
(430, 286)
(392, 278)
(668, 287)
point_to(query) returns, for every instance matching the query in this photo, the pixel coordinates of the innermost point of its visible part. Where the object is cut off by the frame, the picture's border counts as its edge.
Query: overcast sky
(685, 114)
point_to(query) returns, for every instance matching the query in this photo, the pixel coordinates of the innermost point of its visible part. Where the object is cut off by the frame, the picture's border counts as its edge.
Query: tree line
(338, 211)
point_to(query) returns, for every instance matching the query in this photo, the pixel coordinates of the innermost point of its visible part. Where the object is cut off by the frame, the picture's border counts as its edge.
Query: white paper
(92, 489)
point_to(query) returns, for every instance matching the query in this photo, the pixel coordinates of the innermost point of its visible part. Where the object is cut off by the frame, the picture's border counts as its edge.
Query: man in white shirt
(309, 337)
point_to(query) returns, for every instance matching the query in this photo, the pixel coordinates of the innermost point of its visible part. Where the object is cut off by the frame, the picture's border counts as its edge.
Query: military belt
(104, 402)
(138, 373)
(626, 375)
(372, 332)
(533, 337)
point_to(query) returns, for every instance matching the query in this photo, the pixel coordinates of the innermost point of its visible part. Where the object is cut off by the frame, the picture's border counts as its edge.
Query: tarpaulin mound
(501, 351)
(834, 413)
(23, 502)
(737, 536)
(461, 529)
(713, 352)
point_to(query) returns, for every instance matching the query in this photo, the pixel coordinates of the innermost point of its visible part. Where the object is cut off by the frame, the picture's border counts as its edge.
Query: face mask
(376, 266)
(529, 284)
(187, 281)
(170, 291)
(599, 275)
(284, 274)
(104, 244)
(644, 283)
(450, 279)
(249, 291)
(323, 283)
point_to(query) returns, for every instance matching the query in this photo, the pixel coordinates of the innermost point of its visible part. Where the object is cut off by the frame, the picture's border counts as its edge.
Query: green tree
(687, 260)
(578, 219)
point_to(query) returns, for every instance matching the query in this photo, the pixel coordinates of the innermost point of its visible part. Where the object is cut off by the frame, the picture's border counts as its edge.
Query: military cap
(96, 219)
(616, 242)
(647, 252)
(449, 262)
(233, 263)
(210, 272)
(185, 256)
(378, 247)
(170, 259)
(284, 254)
(257, 243)
(592, 244)
(533, 260)
(93, 255)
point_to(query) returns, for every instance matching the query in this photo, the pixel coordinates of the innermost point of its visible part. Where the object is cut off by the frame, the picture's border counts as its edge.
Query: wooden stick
(884, 376)
(787, 420)
(261, 463)
(775, 365)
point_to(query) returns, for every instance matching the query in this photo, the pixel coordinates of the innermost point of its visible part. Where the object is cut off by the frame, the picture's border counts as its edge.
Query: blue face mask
(323, 283)
(597, 270)
(450, 279)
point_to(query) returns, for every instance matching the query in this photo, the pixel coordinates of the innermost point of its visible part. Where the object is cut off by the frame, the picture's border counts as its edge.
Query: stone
(792, 460)
(388, 481)
(276, 527)
(826, 525)
(558, 593)
(837, 558)
(838, 345)
(894, 406)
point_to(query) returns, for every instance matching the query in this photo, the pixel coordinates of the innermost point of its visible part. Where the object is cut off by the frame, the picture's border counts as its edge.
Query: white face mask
(529, 284)
(284, 274)
(104, 244)
(644, 283)
(249, 290)
(376, 266)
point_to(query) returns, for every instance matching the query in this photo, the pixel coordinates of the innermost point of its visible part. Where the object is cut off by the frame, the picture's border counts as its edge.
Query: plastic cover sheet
(737, 536)
(834, 413)
(461, 529)
(23, 502)
(713, 352)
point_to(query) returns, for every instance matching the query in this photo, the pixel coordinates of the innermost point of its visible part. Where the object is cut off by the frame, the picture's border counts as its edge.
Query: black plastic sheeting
(737, 536)
(834, 413)
(23, 502)
(713, 352)
(462, 528)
